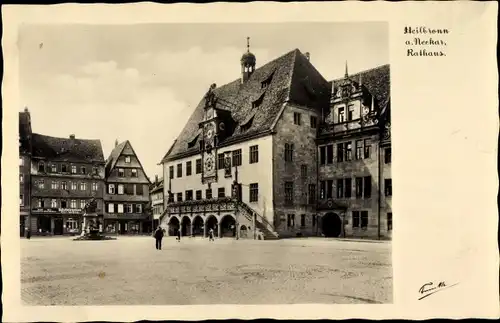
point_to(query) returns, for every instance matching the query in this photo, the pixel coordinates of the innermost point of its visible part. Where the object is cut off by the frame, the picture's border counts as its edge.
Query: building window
(208, 193)
(314, 122)
(388, 155)
(340, 188)
(254, 154)
(94, 186)
(73, 169)
(64, 168)
(189, 195)
(322, 155)
(189, 168)
(179, 170)
(111, 208)
(121, 189)
(289, 193)
(198, 195)
(83, 186)
(388, 186)
(364, 219)
(21, 200)
(302, 220)
(21, 161)
(340, 153)
(347, 187)
(21, 178)
(64, 204)
(341, 115)
(73, 204)
(220, 161)
(111, 188)
(368, 148)
(82, 204)
(139, 190)
(53, 168)
(83, 170)
(237, 157)
(138, 208)
(350, 112)
(303, 171)
(348, 151)
(127, 159)
(367, 187)
(359, 149)
(41, 183)
(171, 171)
(329, 189)
(95, 171)
(359, 187)
(64, 185)
(179, 197)
(221, 192)
(55, 185)
(41, 167)
(312, 194)
(290, 220)
(53, 203)
(254, 192)
(322, 190)
(121, 172)
(314, 220)
(120, 208)
(389, 221)
(289, 152)
(128, 208)
(355, 219)
(198, 166)
(133, 173)
(73, 186)
(297, 118)
(329, 154)
(41, 203)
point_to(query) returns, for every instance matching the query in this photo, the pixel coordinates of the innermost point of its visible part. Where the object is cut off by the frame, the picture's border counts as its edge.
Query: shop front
(59, 221)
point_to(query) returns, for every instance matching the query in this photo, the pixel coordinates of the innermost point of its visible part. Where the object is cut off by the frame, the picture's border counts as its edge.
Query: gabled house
(126, 193)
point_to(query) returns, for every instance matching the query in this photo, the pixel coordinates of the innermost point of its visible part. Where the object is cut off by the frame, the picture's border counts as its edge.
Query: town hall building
(262, 156)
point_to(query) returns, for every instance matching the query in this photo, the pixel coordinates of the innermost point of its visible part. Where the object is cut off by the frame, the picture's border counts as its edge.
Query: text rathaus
(282, 152)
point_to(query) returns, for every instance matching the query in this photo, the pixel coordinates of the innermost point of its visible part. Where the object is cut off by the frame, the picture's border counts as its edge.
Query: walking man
(211, 235)
(179, 235)
(158, 237)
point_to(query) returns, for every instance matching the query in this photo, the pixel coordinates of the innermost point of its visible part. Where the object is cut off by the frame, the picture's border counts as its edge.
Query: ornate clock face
(209, 134)
(366, 109)
(209, 163)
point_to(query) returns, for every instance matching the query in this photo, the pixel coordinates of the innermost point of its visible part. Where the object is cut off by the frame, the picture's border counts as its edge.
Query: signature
(430, 288)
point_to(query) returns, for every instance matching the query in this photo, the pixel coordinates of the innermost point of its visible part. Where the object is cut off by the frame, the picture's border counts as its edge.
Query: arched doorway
(173, 226)
(227, 226)
(243, 232)
(186, 226)
(212, 223)
(331, 225)
(198, 226)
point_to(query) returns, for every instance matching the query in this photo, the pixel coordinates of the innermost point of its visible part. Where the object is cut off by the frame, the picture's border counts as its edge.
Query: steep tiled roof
(113, 156)
(377, 80)
(155, 187)
(291, 78)
(25, 132)
(67, 149)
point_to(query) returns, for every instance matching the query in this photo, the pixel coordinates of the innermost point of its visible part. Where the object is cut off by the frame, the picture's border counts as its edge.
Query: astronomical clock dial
(366, 110)
(209, 163)
(209, 133)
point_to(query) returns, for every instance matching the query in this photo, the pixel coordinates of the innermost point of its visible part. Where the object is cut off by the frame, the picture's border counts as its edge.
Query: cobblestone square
(130, 271)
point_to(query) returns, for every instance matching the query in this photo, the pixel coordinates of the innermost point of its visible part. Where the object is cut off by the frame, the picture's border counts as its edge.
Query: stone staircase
(265, 230)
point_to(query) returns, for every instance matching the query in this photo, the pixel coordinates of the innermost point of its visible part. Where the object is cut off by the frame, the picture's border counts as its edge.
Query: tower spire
(248, 44)
(346, 73)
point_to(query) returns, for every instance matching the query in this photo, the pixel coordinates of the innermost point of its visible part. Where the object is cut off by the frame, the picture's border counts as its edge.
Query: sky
(141, 82)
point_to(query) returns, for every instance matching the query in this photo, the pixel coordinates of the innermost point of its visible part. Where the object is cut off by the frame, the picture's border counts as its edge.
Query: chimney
(156, 179)
(72, 136)
(26, 109)
(307, 55)
(116, 142)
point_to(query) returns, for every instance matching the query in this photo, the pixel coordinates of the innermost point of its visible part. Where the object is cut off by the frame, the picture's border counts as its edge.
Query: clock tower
(209, 138)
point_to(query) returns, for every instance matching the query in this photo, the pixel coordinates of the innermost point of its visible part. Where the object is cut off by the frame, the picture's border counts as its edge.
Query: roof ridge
(65, 138)
(360, 72)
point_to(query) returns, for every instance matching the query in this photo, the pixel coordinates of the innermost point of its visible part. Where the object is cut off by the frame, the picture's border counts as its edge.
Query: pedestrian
(179, 235)
(158, 237)
(211, 235)
(28, 233)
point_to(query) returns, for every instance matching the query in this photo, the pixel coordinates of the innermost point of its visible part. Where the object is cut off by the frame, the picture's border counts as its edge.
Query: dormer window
(258, 102)
(350, 112)
(64, 168)
(41, 167)
(192, 143)
(341, 114)
(264, 84)
(127, 159)
(247, 125)
(53, 168)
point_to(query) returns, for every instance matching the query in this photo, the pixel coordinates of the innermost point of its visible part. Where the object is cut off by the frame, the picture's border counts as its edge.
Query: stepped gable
(289, 78)
(67, 149)
(378, 82)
